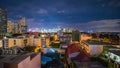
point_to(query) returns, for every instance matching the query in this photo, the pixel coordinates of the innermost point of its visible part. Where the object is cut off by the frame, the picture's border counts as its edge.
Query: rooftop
(18, 58)
(117, 52)
(112, 48)
(90, 64)
(96, 43)
(6, 57)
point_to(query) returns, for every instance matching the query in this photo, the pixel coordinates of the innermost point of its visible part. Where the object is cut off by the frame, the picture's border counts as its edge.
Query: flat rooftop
(96, 43)
(6, 57)
(89, 64)
(117, 52)
(20, 58)
(112, 48)
(17, 58)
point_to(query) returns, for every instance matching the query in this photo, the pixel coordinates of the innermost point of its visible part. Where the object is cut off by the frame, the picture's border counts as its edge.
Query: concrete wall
(25, 63)
(95, 49)
(36, 62)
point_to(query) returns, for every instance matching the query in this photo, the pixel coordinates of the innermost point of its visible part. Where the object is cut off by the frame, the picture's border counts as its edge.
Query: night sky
(96, 15)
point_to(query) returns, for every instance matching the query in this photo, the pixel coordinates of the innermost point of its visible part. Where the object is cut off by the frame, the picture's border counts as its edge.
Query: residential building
(28, 60)
(84, 36)
(75, 36)
(21, 42)
(94, 47)
(47, 41)
(10, 27)
(22, 27)
(35, 41)
(66, 39)
(112, 53)
(3, 22)
(16, 28)
(55, 37)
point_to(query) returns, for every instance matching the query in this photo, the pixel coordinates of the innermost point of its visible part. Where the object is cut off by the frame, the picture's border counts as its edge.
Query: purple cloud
(42, 11)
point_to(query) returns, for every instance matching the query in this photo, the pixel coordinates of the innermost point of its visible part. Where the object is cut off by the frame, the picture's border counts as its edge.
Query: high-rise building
(16, 28)
(3, 22)
(75, 36)
(22, 26)
(10, 27)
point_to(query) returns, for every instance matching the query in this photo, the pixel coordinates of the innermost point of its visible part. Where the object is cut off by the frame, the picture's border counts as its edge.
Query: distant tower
(75, 36)
(16, 28)
(3, 22)
(22, 26)
(10, 27)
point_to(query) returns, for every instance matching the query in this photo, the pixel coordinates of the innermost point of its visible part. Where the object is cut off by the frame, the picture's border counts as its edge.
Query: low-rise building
(112, 53)
(65, 39)
(84, 37)
(47, 40)
(21, 42)
(28, 60)
(94, 47)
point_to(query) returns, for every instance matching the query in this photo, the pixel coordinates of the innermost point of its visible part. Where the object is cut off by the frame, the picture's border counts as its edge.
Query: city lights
(59, 33)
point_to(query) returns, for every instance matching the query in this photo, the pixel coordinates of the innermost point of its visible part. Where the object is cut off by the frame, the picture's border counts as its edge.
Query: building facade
(3, 22)
(22, 27)
(10, 27)
(75, 36)
(29, 60)
(17, 28)
(20, 42)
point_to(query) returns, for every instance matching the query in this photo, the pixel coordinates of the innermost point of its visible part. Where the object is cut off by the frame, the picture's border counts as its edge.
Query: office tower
(3, 22)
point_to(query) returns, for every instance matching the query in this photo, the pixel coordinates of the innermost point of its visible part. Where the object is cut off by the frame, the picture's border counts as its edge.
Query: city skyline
(96, 15)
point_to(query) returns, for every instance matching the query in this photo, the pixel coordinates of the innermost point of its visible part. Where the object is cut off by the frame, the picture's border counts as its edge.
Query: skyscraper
(17, 28)
(22, 25)
(3, 22)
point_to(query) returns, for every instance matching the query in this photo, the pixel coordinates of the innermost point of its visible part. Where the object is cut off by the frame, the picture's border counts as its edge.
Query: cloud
(42, 20)
(42, 11)
(108, 25)
(114, 3)
(102, 25)
(32, 23)
(61, 11)
(19, 16)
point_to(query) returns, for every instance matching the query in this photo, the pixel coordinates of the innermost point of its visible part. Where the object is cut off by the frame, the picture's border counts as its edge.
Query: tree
(29, 48)
(115, 57)
(55, 45)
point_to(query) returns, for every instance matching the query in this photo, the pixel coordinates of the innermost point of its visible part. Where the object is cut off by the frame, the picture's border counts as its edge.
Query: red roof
(72, 48)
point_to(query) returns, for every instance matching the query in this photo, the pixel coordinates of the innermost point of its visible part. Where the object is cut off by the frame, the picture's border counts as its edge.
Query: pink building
(29, 60)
